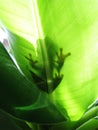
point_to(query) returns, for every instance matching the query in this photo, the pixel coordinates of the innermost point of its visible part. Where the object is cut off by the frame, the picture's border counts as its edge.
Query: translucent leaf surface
(21, 17)
(72, 25)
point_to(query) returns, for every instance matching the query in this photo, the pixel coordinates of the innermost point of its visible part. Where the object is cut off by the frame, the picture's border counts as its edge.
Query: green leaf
(72, 25)
(16, 9)
(21, 49)
(17, 91)
(91, 124)
(42, 112)
(15, 88)
(87, 116)
(8, 122)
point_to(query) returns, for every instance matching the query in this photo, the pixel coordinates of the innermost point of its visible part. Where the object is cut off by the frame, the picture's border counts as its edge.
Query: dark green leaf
(91, 124)
(16, 91)
(7, 122)
(42, 112)
(15, 88)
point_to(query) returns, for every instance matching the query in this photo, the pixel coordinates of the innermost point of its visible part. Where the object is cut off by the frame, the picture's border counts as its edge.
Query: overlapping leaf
(17, 91)
(8, 122)
(72, 25)
(15, 88)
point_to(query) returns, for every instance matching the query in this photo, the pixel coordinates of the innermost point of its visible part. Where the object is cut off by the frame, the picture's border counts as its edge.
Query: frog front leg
(61, 58)
(31, 61)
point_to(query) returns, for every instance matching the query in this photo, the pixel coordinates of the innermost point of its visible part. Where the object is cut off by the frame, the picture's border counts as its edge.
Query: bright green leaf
(21, 17)
(73, 26)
